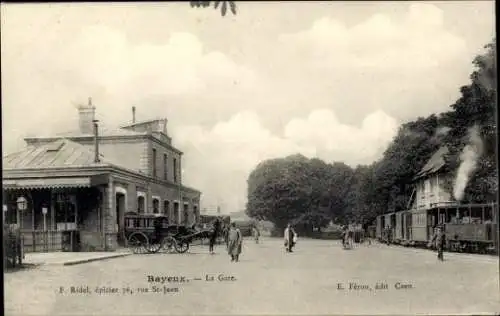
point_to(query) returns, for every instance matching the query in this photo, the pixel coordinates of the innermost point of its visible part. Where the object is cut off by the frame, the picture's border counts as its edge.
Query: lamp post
(22, 205)
(44, 212)
(4, 212)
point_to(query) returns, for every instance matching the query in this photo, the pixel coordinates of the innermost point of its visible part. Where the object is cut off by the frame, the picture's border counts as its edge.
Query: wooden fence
(42, 241)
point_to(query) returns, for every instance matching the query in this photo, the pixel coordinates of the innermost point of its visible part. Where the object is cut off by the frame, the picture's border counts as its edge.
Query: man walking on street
(215, 234)
(439, 238)
(235, 240)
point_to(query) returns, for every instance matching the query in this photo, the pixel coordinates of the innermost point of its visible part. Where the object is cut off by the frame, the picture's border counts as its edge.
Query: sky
(331, 80)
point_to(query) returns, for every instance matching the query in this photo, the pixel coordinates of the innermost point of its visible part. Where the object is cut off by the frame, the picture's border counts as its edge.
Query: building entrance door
(120, 208)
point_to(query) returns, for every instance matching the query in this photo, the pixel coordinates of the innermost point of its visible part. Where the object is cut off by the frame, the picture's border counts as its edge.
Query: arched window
(141, 204)
(176, 213)
(156, 206)
(195, 212)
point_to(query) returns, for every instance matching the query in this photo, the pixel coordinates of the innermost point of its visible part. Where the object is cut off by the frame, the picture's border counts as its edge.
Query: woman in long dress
(234, 242)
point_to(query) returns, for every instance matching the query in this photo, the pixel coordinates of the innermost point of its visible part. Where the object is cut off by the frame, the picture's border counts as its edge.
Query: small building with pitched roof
(84, 182)
(429, 182)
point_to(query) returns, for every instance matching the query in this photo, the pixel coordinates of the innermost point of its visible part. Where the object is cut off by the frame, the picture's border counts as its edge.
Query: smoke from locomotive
(468, 165)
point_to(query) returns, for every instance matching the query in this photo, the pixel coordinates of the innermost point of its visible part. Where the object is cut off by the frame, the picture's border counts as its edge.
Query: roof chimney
(86, 117)
(133, 114)
(96, 141)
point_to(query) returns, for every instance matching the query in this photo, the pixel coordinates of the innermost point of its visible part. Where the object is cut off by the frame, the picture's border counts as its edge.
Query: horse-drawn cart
(152, 233)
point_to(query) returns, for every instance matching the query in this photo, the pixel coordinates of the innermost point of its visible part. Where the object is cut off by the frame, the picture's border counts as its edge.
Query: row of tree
(312, 193)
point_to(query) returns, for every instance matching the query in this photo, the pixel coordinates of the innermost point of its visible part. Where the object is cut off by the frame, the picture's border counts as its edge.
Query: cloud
(101, 62)
(408, 65)
(418, 42)
(226, 153)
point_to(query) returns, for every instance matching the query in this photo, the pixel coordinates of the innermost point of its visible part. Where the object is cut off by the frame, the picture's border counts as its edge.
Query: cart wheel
(168, 244)
(153, 248)
(138, 242)
(181, 246)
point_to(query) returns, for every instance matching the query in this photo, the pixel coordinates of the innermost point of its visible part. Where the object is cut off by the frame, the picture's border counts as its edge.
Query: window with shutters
(156, 206)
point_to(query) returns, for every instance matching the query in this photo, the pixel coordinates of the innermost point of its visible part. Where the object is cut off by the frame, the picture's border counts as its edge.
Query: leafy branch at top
(223, 5)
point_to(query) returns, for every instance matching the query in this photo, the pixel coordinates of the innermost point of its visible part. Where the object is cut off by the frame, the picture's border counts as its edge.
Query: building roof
(103, 131)
(144, 122)
(60, 153)
(434, 164)
(63, 153)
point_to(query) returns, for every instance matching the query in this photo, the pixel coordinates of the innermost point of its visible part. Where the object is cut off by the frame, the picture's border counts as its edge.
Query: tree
(477, 107)
(223, 5)
(359, 198)
(276, 190)
(392, 176)
(306, 192)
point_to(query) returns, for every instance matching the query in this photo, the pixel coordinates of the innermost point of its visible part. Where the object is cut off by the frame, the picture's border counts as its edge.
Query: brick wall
(132, 197)
(160, 169)
(91, 241)
(126, 153)
(145, 157)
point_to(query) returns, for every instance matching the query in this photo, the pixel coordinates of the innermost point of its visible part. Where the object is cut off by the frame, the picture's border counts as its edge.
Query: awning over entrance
(47, 183)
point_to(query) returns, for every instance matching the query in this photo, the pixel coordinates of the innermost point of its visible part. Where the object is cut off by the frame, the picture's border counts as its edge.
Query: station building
(76, 187)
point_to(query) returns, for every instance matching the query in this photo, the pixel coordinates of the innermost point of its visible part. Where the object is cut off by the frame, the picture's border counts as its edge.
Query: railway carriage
(419, 228)
(402, 230)
(468, 227)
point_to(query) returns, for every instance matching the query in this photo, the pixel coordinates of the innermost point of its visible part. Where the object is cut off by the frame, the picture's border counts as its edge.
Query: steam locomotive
(471, 228)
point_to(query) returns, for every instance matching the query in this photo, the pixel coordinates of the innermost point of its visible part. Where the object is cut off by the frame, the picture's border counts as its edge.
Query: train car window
(129, 223)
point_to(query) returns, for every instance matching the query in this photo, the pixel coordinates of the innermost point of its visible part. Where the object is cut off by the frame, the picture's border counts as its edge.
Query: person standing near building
(234, 243)
(439, 239)
(214, 235)
(344, 235)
